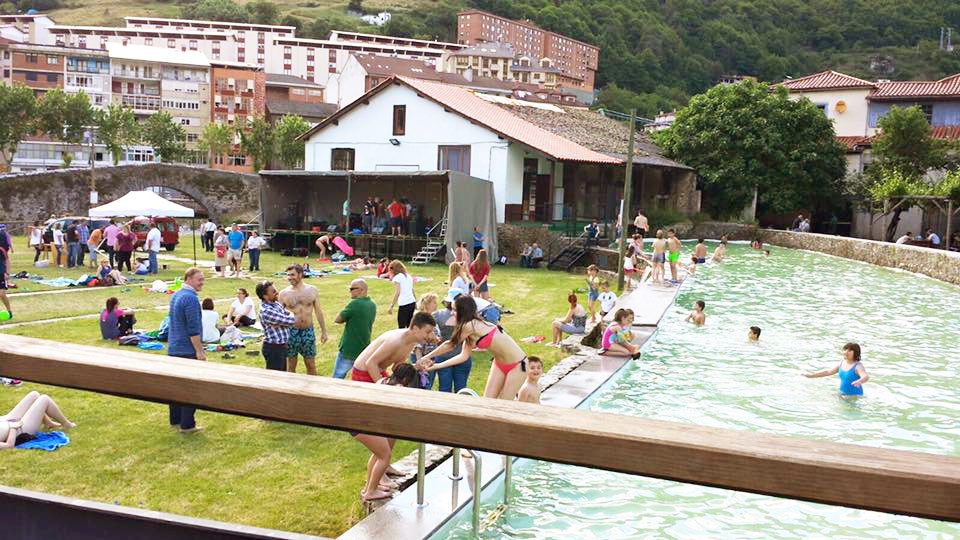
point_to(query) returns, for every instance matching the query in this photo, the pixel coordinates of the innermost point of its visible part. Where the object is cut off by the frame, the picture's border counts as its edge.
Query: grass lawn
(266, 474)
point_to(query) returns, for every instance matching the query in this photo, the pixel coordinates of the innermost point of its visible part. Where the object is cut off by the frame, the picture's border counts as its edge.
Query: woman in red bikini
(509, 361)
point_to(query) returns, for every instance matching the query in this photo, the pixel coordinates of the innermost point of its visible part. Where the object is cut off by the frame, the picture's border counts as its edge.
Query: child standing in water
(753, 335)
(659, 257)
(697, 316)
(530, 391)
(593, 291)
(700, 251)
(673, 246)
(850, 369)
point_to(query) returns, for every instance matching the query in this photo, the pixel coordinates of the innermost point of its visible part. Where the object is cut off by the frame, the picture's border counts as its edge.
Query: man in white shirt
(206, 234)
(933, 238)
(152, 245)
(905, 238)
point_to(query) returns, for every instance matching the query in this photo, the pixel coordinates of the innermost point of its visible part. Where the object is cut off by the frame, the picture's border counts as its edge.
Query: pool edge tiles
(402, 519)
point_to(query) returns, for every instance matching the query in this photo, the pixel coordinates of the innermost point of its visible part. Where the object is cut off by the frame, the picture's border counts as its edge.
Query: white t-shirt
(246, 308)
(36, 236)
(153, 240)
(903, 239)
(208, 227)
(57, 237)
(255, 242)
(208, 321)
(934, 239)
(460, 283)
(406, 289)
(607, 301)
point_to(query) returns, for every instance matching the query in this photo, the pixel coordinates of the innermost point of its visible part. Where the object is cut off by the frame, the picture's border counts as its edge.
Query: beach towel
(58, 282)
(343, 245)
(46, 441)
(150, 345)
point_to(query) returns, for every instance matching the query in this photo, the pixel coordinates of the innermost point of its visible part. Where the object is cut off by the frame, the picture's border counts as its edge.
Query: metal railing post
(455, 472)
(421, 473)
(507, 478)
(477, 488)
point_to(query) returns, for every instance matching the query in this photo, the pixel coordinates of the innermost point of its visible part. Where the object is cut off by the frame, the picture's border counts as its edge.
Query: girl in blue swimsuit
(850, 369)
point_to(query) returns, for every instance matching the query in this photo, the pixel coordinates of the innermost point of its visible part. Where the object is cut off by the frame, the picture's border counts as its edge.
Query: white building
(35, 27)
(214, 45)
(416, 125)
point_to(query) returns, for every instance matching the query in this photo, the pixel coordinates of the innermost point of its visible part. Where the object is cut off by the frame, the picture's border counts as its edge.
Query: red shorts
(363, 376)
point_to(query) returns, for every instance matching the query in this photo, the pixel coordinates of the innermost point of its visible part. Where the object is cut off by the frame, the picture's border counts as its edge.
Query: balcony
(139, 102)
(135, 74)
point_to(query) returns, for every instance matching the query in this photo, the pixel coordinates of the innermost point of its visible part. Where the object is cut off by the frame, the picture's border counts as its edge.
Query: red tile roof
(825, 80)
(852, 143)
(462, 102)
(894, 90)
(946, 132)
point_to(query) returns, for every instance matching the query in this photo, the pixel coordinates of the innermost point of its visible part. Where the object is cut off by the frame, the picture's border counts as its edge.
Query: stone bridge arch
(29, 196)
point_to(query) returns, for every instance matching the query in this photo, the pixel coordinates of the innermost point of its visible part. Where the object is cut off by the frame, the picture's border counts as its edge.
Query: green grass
(266, 474)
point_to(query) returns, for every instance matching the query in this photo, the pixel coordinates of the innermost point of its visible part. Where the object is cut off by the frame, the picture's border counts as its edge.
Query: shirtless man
(323, 244)
(697, 317)
(673, 246)
(391, 348)
(721, 252)
(659, 257)
(700, 251)
(530, 391)
(303, 301)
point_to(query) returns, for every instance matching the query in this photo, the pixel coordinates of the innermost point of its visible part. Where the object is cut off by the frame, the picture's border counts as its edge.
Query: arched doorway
(179, 197)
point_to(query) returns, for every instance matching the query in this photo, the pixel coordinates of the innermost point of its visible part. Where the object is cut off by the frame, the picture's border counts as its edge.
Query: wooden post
(627, 193)
(949, 222)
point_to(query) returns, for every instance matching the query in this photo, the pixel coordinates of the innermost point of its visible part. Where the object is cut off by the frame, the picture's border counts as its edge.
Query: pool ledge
(567, 385)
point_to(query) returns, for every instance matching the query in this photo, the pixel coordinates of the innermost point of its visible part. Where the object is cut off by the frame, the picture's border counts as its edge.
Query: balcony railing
(140, 102)
(135, 74)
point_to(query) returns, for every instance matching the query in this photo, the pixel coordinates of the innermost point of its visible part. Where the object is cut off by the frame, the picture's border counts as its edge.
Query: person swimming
(753, 335)
(700, 251)
(697, 316)
(850, 370)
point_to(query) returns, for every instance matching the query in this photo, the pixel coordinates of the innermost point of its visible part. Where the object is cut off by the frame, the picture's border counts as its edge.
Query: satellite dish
(841, 106)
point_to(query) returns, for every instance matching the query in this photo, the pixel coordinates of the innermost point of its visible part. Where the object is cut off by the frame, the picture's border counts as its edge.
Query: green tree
(116, 129)
(215, 10)
(259, 143)
(64, 117)
(17, 108)
(216, 140)
(167, 137)
(262, 12)
(289, 149)
(356, 6)
(744, 139)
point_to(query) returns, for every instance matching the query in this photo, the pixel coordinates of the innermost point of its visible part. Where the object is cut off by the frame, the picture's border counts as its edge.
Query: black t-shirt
(72, 235)
(5, 253)
(369, 208)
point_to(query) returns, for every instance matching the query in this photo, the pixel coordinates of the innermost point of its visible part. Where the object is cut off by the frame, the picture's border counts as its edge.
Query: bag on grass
(596, 334)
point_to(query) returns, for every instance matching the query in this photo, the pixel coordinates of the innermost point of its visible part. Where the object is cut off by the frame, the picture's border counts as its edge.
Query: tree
(167, 137)
(216, 140)
(744, 139)
(355, 6)
(289, 149)
(262, 12)
(291, 20)
(63, 117)
(215, 10)
(117, 129)
(259, 143)
(17, 107)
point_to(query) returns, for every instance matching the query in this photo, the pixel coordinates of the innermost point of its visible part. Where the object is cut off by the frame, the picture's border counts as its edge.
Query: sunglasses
(354, 288)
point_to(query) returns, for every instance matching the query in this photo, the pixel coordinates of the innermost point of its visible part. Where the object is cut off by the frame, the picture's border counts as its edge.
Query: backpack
(491, 314)
(596, 334)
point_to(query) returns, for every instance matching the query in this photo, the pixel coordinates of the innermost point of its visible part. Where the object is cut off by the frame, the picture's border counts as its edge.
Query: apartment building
(214, 45)
(238, 95)
(289, 95)
(35, 27)
(576, 61)
(38, 67)
(88, 71)
(496, 60)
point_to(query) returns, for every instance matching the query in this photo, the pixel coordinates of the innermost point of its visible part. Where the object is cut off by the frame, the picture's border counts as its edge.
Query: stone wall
(29, 196)
(713, 230)
(936, 263)
(511, 238)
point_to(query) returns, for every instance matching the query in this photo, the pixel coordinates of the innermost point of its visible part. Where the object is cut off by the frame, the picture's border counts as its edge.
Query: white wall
(348, 85)
(369, 128)
(851, 122)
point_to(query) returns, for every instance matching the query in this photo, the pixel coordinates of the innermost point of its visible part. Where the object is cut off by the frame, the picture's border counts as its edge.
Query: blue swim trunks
(701, 260)
(592, 294)
(303, 341)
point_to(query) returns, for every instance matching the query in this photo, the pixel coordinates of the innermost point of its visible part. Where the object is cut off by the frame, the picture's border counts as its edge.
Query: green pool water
(808, 305)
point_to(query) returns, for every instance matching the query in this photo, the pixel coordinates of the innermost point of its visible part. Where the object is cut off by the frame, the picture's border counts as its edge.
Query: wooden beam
(911, 483)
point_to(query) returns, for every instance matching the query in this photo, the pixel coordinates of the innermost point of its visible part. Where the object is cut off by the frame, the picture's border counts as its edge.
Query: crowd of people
(77, 245)
(397, 218)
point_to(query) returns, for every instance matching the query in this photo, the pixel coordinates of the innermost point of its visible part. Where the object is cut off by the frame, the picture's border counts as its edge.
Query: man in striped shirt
(276, 321)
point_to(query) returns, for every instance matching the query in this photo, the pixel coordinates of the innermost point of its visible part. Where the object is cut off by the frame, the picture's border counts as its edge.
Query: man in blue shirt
(184, 339)
(477, 241)
(84, 233)
(235, 253)
(277, 322)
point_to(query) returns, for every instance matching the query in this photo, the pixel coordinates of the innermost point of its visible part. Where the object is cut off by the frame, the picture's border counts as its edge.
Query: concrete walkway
(566, 385)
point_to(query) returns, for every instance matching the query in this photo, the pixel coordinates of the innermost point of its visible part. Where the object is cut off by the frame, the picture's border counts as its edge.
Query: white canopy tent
(141, 203)
(146, 203)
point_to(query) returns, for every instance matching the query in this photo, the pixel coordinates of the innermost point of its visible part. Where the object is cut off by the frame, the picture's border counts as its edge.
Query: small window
(51, 77)
(31, 59)
(399, 119)
(342, 159)
(454, 158)
(31, 76)
(52, 60)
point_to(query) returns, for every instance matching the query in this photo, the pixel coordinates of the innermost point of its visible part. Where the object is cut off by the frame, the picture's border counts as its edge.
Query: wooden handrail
(911, 483)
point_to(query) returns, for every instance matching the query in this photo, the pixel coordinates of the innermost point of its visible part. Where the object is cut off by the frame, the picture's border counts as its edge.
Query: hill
(655, 53)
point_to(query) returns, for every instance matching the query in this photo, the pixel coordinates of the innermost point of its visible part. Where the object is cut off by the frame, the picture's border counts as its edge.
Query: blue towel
(150, 345)
(46, 441)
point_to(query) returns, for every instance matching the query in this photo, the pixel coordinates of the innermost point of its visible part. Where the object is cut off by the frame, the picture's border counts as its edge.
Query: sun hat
(452, 294)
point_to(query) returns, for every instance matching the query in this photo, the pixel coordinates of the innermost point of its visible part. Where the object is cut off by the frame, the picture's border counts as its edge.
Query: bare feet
(68, 426)
(391, 471)
(375, 495)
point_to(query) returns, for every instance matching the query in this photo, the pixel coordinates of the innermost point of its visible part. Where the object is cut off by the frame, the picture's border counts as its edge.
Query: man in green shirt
(358, 316)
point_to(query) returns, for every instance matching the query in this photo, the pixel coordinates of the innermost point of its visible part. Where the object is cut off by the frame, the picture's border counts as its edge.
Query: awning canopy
(141, 203)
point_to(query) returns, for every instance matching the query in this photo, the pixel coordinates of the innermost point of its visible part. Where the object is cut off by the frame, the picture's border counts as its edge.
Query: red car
(169, 230)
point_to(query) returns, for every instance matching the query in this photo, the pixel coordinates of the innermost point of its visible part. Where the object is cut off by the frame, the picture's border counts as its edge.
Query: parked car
(92, 223)
(169, 230)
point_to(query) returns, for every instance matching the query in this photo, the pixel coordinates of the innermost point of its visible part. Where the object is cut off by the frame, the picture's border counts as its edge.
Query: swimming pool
(808, 305)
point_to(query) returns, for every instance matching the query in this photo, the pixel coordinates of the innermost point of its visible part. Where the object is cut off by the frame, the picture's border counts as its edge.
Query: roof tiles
(946, 87)
(825, 80)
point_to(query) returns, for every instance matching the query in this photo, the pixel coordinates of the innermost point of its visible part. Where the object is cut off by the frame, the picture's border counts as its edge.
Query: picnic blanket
(58, 282)
(48, 441)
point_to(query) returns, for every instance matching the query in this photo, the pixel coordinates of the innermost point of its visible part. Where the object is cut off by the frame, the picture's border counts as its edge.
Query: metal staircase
(436, 243)
(570, 254)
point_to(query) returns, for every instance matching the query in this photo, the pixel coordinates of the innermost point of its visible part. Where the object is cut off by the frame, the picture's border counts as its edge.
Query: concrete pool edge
(401, 519)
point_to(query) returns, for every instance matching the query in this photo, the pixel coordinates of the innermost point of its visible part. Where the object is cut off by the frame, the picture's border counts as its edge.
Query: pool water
(808, 305)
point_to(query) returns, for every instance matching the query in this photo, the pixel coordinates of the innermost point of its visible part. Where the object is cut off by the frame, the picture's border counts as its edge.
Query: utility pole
(93, 160)
(627, 194)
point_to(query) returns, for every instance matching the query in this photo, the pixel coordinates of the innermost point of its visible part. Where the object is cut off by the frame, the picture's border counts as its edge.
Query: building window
(193, 44)
(454, 158)
(399, 119)
(51, 77)
(52, 60)
(31, 76)
(822, 107)
(31, 59)
(927, 109)
(82, 41)
(172, 43)
(148, 41)
(342, 159)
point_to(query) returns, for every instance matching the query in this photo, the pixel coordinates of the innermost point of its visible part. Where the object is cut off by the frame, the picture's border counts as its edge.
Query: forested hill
(655, 53)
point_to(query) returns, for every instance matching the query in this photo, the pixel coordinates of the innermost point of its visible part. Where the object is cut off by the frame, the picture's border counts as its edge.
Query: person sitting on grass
(34, 412)
(116, 321)
(536, 256)
(383, 268)
(241, 310)
(617, 337)
(530, 391)
(575, 322)
(107, 276)
(208, 319)
(697, 316)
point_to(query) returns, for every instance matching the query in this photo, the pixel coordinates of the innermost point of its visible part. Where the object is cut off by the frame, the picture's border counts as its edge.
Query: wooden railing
(911, 483)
